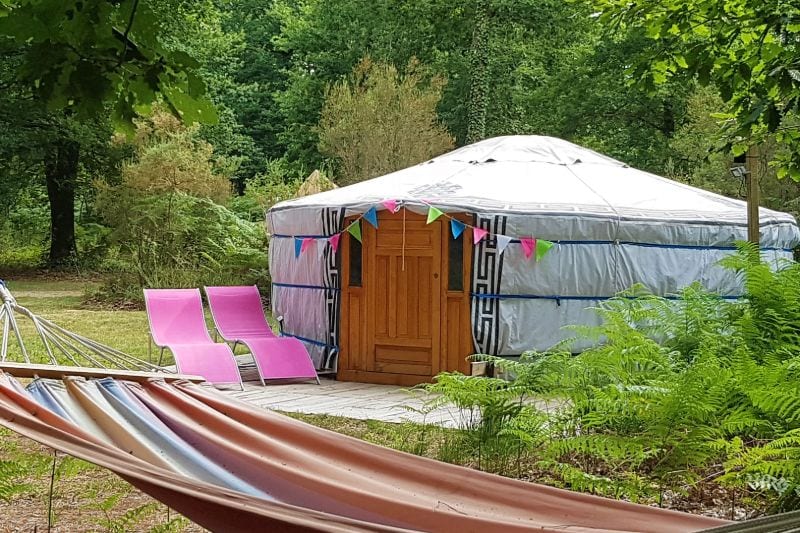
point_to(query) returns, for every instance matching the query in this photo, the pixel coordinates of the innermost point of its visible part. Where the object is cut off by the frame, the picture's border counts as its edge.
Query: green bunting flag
(433, 214)
(542, 247)
(354, 229)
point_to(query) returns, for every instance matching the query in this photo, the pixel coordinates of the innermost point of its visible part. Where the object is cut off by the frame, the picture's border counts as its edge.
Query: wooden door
(404, 314)
(403, 280)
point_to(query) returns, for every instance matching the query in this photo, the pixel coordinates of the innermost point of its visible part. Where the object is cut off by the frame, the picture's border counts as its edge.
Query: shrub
(182, 241)
(24, 232)
(167, 228)
(674, 393)
(380, 121)
(280, 182)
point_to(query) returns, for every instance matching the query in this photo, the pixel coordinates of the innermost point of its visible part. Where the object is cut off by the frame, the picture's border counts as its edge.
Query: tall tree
(84, 59)
(748, 49)
(382, 120)
(479, 83)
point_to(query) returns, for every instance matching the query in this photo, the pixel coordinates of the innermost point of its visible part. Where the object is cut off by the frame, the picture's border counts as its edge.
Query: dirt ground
(85, 497)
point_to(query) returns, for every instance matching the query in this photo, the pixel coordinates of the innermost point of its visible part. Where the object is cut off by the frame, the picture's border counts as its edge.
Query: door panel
(404, 324)
(404, 289)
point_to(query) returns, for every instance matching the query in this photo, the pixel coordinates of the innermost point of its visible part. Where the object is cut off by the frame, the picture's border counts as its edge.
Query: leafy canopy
(80, 55)
(748, 49)
(381, 121)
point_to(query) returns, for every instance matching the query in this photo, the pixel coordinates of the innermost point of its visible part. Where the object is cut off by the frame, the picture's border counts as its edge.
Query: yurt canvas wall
(614, 226)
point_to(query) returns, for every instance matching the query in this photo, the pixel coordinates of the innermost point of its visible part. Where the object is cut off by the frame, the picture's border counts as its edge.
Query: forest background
(146, 139)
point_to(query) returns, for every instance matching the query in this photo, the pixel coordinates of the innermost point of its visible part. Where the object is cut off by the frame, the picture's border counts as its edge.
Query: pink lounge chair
(239, 317)
(177, 322)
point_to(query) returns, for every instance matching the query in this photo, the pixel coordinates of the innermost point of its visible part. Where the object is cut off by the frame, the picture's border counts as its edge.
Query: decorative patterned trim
(332, 223)
(487, 269)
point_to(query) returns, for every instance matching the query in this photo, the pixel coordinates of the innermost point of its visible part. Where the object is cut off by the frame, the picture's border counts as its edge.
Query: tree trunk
(479, 87)
(61, 173)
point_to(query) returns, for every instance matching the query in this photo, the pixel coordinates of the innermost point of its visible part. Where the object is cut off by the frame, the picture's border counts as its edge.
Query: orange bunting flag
(528, 246)
(334, 240)
(478, 235)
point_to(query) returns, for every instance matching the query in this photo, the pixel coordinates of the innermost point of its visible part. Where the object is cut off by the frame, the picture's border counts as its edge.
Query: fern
(673, 390)
(10, 474)
(128, 521)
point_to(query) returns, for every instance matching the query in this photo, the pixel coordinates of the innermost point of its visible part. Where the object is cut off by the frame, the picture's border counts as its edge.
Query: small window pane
(355, 262)
(455, 262)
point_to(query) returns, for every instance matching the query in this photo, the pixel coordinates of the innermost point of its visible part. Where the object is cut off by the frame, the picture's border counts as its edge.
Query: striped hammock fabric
(230, 466)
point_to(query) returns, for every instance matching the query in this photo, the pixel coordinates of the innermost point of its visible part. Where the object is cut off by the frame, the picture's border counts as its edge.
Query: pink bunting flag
(478, 235)
(391, 205)
(308, 241)
(528, 246)
(334, 240)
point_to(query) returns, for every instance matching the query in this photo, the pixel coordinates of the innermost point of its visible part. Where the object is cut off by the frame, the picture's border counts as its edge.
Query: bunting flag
(354, 229)
(457, 227)
(531, 246)
(528, 246)
(334, 240)
(502, 243)
(433, 214)
(371, 216)
(542, 247)
(391, 205)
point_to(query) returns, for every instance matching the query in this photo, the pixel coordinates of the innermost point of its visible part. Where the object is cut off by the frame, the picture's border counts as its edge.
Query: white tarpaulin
(614, 226)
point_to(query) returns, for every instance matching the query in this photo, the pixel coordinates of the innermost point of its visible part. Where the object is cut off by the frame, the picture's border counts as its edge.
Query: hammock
(70, 347)
(230, 466)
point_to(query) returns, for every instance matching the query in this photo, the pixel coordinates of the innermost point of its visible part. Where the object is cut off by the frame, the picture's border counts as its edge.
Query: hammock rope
(73, 348)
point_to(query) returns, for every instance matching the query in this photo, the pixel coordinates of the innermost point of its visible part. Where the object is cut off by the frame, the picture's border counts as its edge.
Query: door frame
(455, 326)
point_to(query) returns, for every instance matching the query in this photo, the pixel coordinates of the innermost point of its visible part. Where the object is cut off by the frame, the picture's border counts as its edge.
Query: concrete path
(353, 400)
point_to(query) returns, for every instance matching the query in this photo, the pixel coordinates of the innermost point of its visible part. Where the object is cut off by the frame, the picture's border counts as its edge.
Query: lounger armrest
(280, 323)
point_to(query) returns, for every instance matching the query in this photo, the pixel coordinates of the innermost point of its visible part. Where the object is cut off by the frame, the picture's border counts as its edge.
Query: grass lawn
(86, 497)
(62, 301)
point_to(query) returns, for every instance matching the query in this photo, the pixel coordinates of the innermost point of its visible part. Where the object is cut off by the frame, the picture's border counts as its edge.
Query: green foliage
(496, 424)
(179, 240)
(10, 472)
(479, 83)
(771, 467)
(129, 520)
(80, 55)
(166, 228)
(672, 394)
(280, 182)
(696, 157)
(746, 48)
(381, 121)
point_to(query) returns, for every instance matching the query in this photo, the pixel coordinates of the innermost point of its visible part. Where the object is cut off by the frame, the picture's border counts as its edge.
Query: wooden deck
(363, 401)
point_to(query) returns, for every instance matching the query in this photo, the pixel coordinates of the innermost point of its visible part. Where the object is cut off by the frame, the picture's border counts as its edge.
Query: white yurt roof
(614, 227)
(518, 175)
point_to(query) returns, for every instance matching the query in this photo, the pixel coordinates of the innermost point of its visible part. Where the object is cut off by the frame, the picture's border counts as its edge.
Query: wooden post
(753, 165)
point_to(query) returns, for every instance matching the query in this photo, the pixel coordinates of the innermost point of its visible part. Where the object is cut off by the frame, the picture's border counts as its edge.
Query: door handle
(435, 275)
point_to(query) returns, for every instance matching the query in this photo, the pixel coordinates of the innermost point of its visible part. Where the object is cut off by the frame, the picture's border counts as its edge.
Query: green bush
(280, 182)
(675, 393)
(168, 227)
(177, 241)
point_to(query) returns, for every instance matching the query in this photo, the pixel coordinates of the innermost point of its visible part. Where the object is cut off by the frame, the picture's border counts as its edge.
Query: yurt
(492, 248)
